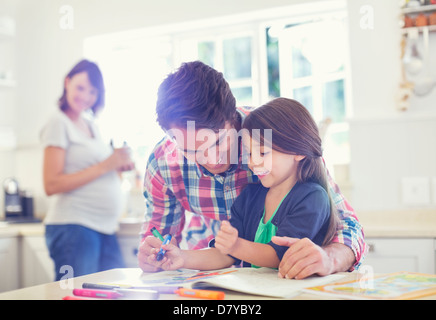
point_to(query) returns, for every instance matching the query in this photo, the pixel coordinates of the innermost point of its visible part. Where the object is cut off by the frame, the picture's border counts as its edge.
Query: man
(199, 169)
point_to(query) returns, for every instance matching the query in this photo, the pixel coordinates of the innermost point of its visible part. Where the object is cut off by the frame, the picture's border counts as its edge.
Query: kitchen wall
(386, 145)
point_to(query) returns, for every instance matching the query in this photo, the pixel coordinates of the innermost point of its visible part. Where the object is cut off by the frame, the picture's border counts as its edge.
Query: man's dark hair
(195, 92)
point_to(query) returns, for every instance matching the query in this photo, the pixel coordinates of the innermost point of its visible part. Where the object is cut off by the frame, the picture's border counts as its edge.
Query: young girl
(292, 199)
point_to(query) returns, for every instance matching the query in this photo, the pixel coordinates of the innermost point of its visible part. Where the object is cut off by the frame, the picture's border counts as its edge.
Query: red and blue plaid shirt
(187, 201)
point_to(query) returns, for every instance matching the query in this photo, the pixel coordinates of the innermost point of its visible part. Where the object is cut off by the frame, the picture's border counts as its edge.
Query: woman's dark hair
(295, 132)
(96, 79)
(195, 92)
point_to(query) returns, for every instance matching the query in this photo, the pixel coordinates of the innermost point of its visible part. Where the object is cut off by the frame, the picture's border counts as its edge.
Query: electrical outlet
(415, 190)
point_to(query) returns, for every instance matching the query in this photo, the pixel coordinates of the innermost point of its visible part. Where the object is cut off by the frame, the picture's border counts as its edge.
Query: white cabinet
(129, 249)
(37, 266)
(400, 254)
(9, 266)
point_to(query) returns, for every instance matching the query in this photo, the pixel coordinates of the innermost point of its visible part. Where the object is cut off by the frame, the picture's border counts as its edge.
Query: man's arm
(163, 212)
(350, 232)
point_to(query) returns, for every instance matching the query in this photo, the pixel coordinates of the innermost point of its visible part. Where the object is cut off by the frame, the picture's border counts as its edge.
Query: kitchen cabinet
(129, 249)
(401, 254)
(25, 257)
(37, 266)
(9, 263)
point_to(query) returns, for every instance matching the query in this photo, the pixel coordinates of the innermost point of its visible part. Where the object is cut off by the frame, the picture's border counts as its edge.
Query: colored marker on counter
(118, 293)
(161, 253)
(73, 298)
(202, 294)
(104, 294)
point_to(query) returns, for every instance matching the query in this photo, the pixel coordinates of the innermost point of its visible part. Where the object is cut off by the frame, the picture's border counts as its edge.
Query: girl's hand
(148, 251)
(173, 258)
(227, 238)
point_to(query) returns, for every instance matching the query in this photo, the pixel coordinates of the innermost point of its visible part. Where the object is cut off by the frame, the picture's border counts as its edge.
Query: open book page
(393, 286)
(263, 281)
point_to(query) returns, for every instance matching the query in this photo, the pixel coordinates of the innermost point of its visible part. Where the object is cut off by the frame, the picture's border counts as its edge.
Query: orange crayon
(202, 294)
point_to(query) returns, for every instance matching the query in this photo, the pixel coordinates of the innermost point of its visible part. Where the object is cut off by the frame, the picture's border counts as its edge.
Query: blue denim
(84, 250)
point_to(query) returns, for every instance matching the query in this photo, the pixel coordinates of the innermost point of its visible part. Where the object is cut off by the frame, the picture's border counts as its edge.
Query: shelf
(420, 29)
(419, 9)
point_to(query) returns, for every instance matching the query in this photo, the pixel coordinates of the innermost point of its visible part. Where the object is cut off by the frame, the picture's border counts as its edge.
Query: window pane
(336, 146)
(334, 100)
(243, 96)
(301, 67)
(206, 53)
(272, 47)
(237, 58)
(305, 97)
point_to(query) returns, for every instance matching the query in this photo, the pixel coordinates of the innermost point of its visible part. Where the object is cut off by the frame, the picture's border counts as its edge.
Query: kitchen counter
(377, 224)
(128, 227)
(413, 223)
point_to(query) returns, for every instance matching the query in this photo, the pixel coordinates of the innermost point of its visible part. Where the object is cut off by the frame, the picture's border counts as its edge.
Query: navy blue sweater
(304, 213)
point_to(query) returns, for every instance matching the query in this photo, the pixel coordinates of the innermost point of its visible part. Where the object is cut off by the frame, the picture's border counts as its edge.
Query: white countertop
(413, 223)
(128, 227)
(384, 224)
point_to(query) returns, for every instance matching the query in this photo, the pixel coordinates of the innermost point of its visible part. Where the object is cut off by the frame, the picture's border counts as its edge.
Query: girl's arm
(206, 259)
(259, 254)
(175, 258)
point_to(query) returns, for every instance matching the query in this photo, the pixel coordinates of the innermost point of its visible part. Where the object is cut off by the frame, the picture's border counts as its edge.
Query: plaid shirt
(187, 201)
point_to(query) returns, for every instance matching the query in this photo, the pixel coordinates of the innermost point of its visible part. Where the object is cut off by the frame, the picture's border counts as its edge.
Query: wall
(386, 145)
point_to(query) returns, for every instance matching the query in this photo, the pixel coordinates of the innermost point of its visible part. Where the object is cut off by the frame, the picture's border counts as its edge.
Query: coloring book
(261, 281)
(393, 286)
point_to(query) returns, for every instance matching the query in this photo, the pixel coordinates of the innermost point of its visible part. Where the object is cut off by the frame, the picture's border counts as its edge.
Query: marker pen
(202, 294)
(142, 294)
(161, 252)
(97, 293)
(73, 298)
(156, 234)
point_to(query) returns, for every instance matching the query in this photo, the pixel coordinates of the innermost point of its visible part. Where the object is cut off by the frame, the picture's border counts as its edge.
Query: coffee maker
(18, 203)
(13, 207)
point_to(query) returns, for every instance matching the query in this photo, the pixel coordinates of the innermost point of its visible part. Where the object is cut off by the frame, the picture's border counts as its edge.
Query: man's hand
(147, 254)
(304, 258)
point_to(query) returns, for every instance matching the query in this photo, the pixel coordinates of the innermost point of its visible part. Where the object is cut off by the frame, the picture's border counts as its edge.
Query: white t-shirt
(97, 204)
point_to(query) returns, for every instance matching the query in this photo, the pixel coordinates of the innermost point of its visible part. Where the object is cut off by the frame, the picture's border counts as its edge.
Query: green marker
(156, 234)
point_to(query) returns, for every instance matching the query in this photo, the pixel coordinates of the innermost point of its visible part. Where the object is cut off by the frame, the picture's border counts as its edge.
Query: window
(231, 53)
(262, 57)
(133, 70)
(307, 62)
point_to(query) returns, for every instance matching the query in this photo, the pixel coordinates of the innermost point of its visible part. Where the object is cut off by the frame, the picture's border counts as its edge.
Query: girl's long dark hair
(295, 132)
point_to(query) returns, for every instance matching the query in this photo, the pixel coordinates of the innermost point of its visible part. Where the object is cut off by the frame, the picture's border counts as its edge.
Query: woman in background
(82, 174)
